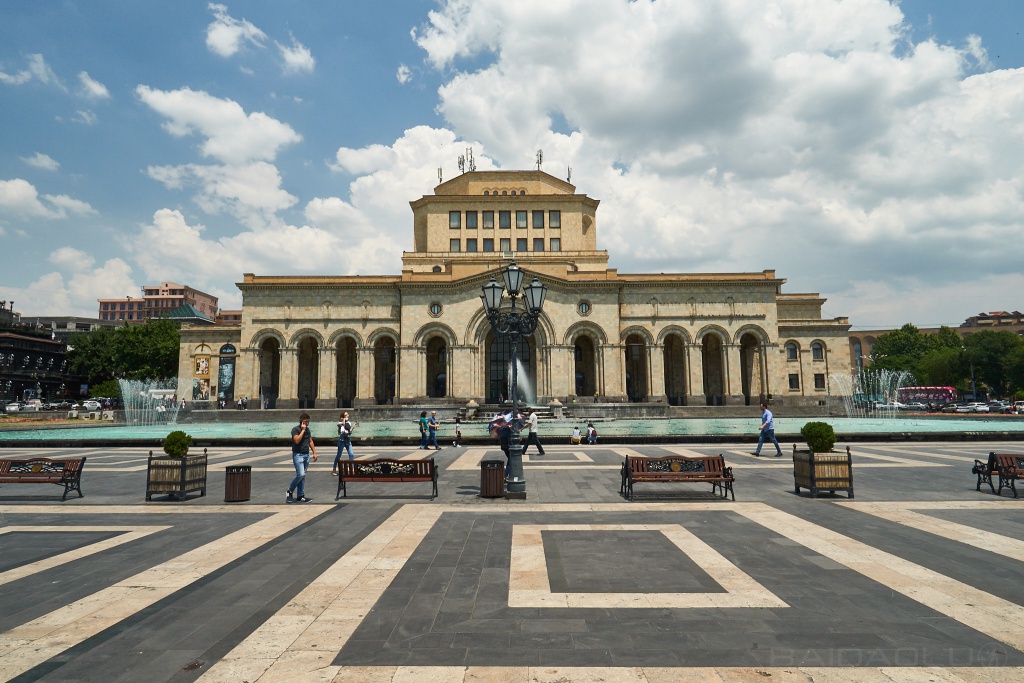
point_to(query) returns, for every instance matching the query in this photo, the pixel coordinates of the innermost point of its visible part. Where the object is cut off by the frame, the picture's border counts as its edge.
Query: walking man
(531, 432)
(432, 426)
(767, 429)
(302, 447)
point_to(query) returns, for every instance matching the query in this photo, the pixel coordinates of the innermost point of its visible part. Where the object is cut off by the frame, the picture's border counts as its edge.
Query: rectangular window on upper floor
(538, 244)
(505, 244)
(471, 244)
(488, 244)
(505, 220)
(454, 245)
(521, 220)
(471, 220)
(554, 219)
(555, 243)
(538, 220)
(521, 244)
(454, 220)
(488, 220)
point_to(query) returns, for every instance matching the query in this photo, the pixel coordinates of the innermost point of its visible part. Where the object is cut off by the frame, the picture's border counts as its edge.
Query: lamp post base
(515, 483)
(515, 495)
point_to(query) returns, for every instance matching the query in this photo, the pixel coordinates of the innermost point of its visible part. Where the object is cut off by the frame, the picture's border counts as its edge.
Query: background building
(32, 365)
(156, 302)
(422, 336)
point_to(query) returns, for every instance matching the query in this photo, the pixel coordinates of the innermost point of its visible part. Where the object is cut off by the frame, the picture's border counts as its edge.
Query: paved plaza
(918, 578)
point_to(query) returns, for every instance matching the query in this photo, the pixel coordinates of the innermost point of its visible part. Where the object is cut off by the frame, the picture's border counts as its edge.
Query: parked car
(977, 407)
(90, 405)
(916, 406)
(12, 407)
(1018, 407)
(32, 405)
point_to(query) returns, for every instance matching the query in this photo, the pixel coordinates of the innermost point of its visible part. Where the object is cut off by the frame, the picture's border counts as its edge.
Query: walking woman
(345, 428)
(423, 429)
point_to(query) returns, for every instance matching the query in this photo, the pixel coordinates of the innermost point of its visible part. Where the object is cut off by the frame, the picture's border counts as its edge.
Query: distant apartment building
(157, 302)
(230, 317)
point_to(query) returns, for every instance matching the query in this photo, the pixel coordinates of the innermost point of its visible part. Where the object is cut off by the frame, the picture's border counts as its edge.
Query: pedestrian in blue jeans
(302, 448)
(432, 425)
(423, 429)
(345, 428)
(767, 432)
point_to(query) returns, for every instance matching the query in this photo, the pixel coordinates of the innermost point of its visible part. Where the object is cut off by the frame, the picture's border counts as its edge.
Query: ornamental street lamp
(514, 324)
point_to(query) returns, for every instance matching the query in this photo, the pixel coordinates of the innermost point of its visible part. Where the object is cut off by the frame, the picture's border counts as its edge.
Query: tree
(940, 367)
(992, 354)
(148, 351)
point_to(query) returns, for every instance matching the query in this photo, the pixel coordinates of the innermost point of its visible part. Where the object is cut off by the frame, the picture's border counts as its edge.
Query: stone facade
(422, 336)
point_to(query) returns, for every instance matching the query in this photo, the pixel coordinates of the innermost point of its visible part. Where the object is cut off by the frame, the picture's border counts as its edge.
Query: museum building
(423, 337)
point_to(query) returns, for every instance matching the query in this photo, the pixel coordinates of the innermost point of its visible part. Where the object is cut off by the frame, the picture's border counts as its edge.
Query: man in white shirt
(531, 433)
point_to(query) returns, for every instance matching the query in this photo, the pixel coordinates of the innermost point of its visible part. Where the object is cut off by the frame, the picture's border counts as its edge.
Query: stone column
(247, 376)
(733, 375)
(411, 364)
(288, 396)
(327, 385)
(695, 379)
(656, 374)
(365, 369)
(614, 385)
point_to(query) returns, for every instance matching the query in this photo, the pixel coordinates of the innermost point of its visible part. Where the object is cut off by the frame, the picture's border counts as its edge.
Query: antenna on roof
(439, 180)
(462, 163)
(568, 176)
(540, 158)
(472, 161)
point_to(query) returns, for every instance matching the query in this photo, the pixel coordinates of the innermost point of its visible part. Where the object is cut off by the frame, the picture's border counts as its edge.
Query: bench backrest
(41, 466)
(1009, 461)
(708, 464)
(386, 467)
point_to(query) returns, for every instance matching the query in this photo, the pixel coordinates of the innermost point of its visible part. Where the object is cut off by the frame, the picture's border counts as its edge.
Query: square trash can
(492, 477)
(237, 483)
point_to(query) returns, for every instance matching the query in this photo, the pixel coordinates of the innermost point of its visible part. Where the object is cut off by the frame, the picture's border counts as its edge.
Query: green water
(408, 429)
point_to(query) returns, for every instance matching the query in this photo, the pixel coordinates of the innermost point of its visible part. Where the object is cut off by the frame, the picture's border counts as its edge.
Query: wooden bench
(709, 469)
(386, 470)
(1009, 467)
(66, 473)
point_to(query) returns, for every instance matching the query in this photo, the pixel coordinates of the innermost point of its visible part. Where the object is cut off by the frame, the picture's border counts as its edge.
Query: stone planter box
(823, 471)
(175, 476)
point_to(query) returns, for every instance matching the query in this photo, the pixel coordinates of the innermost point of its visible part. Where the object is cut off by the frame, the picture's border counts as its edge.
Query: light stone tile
(366, 674)
(541, 674)
(681, 675)
(776, 675)
(497, 674)
(430, 674)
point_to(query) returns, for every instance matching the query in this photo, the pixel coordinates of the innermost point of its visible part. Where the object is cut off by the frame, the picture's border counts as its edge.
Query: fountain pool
(683, 430)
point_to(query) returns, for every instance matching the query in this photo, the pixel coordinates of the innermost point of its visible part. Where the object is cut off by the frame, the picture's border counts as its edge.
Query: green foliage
(176, 444)
(994, 356)
(820, 436)
(939, 367)
(109, 389)
(148, 351)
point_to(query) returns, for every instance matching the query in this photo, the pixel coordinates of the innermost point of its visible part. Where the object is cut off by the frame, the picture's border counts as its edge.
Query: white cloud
(226, 35)
(297, 58)
(251, 192)
(21, 198)
(41, 161)
(92, 88)
(73, 289)
(37, 69)
(232, 136)
(404, 75)
(84, 116)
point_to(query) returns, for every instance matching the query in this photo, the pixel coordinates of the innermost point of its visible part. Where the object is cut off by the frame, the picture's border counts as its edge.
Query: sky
(872, 151)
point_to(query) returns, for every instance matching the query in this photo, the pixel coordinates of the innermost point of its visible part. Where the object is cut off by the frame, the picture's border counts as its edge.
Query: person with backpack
(591, 434)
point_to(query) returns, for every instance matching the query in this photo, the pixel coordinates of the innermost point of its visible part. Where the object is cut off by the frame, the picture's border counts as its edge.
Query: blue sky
(870, 151)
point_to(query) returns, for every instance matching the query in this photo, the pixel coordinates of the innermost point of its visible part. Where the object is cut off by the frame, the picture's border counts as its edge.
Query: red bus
(933, 395)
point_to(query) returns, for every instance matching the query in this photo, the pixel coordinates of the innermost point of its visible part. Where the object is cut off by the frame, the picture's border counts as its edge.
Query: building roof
(187, 314)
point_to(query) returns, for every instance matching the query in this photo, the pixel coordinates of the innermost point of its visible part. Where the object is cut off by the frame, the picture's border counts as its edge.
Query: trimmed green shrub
(819, 436)
(176, 444)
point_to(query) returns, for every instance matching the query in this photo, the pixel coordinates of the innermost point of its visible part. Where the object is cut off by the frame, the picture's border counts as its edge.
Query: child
(458, 431)
(591, 434)
(575, 438)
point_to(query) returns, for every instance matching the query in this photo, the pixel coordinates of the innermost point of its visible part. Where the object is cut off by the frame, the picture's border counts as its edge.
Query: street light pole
(514, 324)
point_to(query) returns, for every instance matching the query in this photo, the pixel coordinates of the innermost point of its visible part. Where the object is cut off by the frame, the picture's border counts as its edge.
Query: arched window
(817, 351)
(792, 351)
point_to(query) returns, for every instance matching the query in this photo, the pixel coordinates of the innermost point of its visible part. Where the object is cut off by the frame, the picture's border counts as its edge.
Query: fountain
(862, 392)
(149, 402)
(526, 392)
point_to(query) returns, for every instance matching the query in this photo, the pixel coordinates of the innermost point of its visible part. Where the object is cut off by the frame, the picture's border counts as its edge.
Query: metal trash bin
(492, 477)
(237, 483)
